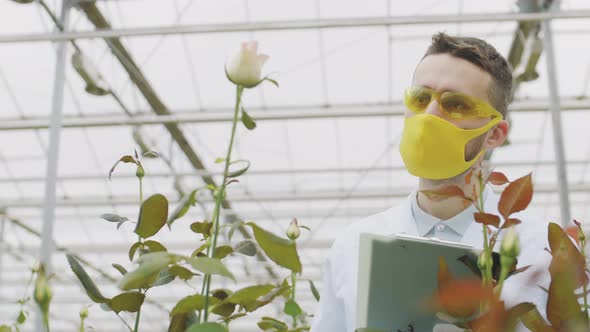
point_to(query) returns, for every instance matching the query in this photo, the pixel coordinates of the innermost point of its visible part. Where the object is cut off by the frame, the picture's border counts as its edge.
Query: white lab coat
(337, 307)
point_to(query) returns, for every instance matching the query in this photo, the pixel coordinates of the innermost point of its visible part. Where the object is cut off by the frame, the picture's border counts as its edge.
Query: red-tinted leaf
(516, 197)
(562, 303)
(510, 222)
(572, 231)
(444, 193)
(124, 159)
(498, 179)
(487, 219)
(468, 177)
(499, 318)
(578, 224)
(520, 270)
(444, 276)
(559, 240)
(461, 298)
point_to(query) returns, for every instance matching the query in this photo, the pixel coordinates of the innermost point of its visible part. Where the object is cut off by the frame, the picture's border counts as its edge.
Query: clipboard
(396, 276)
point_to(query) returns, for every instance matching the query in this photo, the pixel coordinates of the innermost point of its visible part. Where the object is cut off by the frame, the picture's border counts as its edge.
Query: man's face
(444, 72)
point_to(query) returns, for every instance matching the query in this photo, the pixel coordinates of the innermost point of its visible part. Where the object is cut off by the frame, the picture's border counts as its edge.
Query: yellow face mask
(433, 148)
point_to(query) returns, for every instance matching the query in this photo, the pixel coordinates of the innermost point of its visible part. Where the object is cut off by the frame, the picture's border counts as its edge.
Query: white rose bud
(293, 231)
(245, 67)
(510, 244)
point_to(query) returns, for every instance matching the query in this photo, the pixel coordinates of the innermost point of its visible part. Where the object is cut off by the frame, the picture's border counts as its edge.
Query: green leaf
(148, 271)
(249, 294)
(200, 249)
(119, 268)
(274, 82)
(224, 309)
(5, 328)
(191, 303)
(535, 322)
(179, 323)
(292, 309)
(246, 247)
(268, 323)
(279, 250)
(222, 251)
(152, 216)
(164, 277)
(284, 290)
(150, 154)
(202, 228)
(133, 249)
(111, 217)
(181, 272)
(221, 293)
(314, 291)
(247, 120)
(207, 327)
(21, 317)
(130, 301)
(93, 293)
(210, 266)
(235, 174)
(234, 317)
(183, 207)
(232, 229)
(155, 246)
(219, 160)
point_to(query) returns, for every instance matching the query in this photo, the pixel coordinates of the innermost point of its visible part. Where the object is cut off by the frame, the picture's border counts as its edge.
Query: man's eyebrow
(438, 90)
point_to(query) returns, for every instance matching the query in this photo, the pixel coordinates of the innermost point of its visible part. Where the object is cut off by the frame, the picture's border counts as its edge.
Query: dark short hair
(483, 55)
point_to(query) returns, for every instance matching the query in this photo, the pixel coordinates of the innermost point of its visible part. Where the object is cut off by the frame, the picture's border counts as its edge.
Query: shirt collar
(426, 222)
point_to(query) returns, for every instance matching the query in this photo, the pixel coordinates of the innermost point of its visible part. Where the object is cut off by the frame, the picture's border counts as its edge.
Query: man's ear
(498, 135)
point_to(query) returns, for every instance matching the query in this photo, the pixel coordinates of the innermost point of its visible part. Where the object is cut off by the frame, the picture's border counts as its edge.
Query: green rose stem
(505, 264)
(486, 272)
(218, 198)
(139, 173)
(293, 283)
(582, 239)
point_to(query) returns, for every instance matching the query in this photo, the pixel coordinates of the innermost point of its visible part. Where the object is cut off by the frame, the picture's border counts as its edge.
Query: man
(456, 111)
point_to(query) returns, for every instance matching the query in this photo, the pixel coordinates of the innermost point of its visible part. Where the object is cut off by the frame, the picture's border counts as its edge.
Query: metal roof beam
(273, 113)
(108, 32)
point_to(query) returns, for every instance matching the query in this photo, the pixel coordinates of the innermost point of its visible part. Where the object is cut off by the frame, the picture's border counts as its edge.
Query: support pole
(562, 183)
(49, 202)
(2, 244)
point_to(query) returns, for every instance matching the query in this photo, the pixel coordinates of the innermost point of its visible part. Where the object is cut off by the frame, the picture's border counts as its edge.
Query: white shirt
(337, 307)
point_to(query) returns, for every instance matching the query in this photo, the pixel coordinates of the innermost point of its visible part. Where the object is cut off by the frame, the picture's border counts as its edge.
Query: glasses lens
(458, 106)
(418, 99)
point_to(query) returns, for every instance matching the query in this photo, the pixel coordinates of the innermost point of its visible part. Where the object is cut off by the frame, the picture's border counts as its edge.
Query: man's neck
(447, 208)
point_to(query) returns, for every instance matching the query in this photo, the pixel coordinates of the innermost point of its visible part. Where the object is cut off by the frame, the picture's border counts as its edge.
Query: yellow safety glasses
(453, 105)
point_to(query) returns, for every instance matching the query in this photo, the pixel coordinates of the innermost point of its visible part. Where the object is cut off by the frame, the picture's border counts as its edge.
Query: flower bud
(84, 313)
(483, 261)
(293, 231)
(245, 67)
(42, 293)
(510, 244)
(140, 173)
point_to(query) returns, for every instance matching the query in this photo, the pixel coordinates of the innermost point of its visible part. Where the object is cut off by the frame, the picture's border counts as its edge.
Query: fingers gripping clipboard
(396, 276)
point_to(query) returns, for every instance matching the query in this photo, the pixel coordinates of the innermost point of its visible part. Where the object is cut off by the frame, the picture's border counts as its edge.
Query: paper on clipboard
(397, 274)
